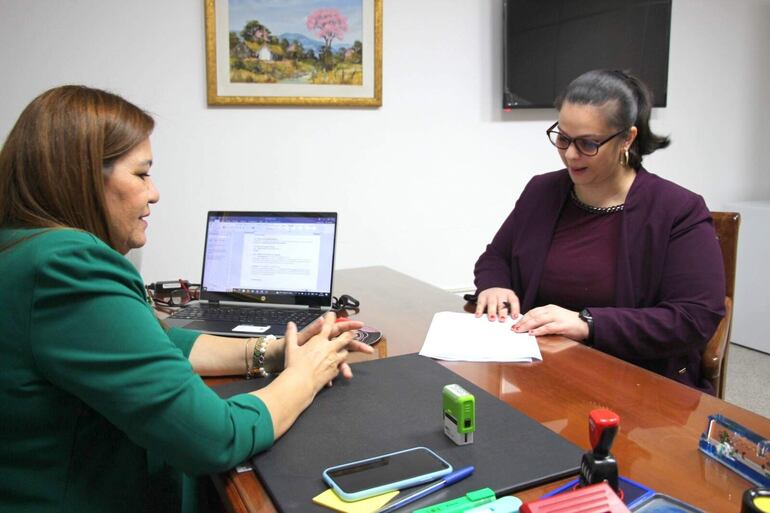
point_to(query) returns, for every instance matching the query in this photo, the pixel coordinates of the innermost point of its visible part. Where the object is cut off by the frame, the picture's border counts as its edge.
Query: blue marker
(450, 479)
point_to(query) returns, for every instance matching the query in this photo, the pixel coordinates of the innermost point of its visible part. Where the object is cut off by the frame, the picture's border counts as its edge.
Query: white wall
(422, 183)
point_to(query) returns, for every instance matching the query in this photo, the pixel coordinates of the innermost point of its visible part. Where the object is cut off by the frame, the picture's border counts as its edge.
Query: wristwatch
(586, 317)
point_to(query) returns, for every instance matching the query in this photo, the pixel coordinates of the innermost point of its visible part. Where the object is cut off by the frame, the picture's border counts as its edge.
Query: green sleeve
(183, 339)
(93, 335)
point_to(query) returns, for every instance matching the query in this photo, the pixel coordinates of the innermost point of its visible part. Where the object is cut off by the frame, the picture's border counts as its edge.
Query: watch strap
(585, 316)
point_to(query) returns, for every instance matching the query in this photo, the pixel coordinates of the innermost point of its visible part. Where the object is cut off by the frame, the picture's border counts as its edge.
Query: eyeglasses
(584, 146)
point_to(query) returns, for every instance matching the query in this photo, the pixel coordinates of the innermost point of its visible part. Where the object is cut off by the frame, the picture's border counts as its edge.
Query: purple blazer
(670, 286)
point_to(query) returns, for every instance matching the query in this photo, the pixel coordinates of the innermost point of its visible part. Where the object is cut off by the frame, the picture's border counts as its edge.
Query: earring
(624, 158)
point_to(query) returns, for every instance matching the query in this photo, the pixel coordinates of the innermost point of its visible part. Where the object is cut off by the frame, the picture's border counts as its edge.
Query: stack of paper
(464, 337)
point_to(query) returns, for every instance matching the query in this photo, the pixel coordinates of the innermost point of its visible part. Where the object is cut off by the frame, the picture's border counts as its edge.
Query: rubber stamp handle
(603, 425)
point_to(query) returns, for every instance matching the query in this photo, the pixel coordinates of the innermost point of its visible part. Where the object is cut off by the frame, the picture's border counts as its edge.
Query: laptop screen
(269, 257)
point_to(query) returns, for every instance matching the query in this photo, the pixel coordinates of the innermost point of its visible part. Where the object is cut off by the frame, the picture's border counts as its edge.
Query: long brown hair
(53, 163)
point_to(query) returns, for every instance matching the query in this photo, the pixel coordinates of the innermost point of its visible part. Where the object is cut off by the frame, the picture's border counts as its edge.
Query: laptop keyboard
(247, 315)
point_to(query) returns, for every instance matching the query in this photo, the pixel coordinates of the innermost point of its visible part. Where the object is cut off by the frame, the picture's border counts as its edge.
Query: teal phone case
(389, 487)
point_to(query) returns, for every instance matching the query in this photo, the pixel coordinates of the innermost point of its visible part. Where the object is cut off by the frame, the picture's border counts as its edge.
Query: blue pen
(450, 479)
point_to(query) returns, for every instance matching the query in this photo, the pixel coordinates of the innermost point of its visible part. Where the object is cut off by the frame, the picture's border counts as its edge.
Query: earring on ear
(624, 158)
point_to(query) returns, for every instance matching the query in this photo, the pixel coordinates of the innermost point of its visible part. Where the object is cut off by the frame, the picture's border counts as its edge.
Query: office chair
(714, 361)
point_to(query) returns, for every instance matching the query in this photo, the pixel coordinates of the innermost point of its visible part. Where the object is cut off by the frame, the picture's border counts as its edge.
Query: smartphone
(366, 478)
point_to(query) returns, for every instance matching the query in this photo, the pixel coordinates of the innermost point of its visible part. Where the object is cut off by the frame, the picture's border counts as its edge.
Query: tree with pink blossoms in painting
(328, 24)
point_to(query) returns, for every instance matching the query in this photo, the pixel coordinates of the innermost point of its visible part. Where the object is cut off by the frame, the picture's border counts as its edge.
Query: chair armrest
(715, 349)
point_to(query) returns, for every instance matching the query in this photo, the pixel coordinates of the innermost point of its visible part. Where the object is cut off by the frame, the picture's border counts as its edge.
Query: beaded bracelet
(257, 367)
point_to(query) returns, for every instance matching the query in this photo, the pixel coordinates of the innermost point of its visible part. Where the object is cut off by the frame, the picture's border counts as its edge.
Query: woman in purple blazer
(604, 251)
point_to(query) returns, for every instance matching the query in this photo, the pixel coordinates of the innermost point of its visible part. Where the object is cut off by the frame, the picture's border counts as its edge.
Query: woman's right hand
(309, 368)
(497, 303)
(320, 358)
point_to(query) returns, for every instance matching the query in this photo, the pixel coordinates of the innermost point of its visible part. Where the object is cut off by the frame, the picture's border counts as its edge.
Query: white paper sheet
(463, 337)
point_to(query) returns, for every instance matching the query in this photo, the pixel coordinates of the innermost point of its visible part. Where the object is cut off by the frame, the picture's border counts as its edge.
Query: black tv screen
(548, 43)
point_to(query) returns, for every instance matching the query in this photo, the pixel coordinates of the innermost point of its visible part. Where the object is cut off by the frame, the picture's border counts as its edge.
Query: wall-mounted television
(548, 43)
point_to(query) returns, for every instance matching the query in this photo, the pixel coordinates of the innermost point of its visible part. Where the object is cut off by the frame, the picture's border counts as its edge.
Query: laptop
(262, 270)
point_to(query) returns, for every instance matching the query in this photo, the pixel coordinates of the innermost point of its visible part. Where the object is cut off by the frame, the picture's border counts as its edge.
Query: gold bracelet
(246, 360)
(258, 358)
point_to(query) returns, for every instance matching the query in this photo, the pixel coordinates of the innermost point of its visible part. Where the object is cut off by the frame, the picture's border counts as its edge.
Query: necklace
(595, 210)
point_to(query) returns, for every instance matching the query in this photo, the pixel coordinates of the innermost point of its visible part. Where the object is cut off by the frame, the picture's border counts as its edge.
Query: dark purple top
(580, 267)
(669, 288)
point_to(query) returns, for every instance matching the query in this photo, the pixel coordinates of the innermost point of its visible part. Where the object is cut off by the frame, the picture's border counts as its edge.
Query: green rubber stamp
(459, 408)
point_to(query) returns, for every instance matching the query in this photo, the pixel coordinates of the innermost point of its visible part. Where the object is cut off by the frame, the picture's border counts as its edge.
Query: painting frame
(218, 85)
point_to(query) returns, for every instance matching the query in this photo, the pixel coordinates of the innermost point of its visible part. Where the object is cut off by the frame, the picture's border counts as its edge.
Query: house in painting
(265, 54)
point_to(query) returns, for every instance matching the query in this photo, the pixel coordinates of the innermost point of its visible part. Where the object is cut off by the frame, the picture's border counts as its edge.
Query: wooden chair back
(714, 363)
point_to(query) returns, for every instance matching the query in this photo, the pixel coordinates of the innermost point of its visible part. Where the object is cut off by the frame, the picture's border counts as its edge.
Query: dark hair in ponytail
(633, 103)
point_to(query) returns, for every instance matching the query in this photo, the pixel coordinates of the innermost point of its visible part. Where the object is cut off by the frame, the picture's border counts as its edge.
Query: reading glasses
(583, 145)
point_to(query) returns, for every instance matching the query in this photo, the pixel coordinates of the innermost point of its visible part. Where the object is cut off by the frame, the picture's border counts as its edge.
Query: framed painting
(298, 52)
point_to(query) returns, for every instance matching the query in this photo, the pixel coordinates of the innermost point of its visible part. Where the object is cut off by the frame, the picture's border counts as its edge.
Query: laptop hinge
(214, 302)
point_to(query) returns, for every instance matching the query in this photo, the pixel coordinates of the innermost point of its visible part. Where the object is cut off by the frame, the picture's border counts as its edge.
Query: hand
(274, 356)
(552, 320)
(309, 367)
(338, 328)
(497, 302)
(322, 357)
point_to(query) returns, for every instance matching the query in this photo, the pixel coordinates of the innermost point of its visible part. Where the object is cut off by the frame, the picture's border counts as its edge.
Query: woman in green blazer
(102, 407)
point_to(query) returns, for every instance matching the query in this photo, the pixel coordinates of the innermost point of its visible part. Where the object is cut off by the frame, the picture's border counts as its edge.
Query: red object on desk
(598, 498)
(602, 427)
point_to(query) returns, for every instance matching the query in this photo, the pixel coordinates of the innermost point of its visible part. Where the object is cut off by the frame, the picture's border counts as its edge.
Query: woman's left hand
(338, 329)
(274, 356)
(552, 320)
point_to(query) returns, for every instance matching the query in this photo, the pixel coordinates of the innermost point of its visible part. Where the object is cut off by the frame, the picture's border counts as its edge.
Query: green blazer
(97, 401)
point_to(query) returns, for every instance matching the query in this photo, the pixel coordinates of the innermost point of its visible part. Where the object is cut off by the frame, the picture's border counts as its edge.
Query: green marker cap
(460, 504)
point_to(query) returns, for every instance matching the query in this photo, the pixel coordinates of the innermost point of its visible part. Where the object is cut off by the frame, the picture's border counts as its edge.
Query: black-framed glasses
(584, 146)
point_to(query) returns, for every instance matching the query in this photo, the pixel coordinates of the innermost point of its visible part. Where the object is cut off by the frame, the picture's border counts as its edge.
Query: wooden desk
(661, 420)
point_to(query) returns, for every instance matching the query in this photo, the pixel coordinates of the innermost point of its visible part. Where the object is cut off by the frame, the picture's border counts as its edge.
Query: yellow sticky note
(331, 500)
(763, 503)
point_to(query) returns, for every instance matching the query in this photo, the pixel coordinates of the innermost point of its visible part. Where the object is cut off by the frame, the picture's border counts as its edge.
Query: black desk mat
(393, 404)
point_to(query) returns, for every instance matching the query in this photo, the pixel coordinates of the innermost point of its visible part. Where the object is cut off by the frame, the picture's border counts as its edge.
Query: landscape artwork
(294, 51)
(302, 42)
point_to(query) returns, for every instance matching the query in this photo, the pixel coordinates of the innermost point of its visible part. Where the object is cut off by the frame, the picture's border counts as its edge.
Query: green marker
(459, 408)
(460, 504)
